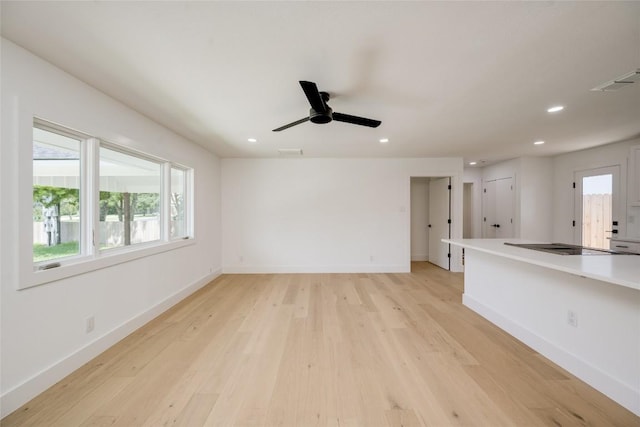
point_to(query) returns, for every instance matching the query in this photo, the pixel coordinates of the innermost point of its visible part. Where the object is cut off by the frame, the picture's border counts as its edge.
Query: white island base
(589, 326)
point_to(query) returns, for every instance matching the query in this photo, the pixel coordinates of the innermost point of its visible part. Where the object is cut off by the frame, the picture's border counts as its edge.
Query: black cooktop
(565, 249)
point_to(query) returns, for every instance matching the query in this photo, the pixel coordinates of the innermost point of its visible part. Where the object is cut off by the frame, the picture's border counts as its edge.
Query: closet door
(498, 208)
(489, 210)
(504, 208)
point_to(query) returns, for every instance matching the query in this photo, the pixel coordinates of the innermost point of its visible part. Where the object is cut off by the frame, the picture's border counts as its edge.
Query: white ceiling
(468, 79)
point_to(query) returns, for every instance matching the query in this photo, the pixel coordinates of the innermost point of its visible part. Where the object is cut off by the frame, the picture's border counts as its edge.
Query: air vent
(621, 82)
(290, 151)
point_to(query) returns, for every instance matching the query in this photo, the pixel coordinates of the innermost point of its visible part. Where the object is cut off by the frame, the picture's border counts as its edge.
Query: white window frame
(84, 193)
(91, 257)
(188, 196)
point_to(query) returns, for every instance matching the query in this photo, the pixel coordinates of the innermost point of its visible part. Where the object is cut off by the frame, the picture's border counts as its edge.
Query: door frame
(457, 179)
(456, 214)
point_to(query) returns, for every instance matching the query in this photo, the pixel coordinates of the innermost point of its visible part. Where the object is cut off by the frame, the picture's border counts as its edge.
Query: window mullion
(165, 203)
(188, 204)
(91, 177)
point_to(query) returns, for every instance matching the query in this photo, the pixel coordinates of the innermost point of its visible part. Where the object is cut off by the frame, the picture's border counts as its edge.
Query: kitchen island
(580, 311)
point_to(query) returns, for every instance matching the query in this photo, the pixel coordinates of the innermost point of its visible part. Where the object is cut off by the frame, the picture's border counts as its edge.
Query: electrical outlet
(241, 259)
(572, 318)
(371, 258)
(90, 324)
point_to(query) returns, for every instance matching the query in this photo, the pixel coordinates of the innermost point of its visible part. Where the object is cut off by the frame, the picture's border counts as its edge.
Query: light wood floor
(316, 350)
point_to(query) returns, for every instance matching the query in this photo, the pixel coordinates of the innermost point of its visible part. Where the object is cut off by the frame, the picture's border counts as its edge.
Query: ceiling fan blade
(297, 122)
(347, 118)
(313, 95)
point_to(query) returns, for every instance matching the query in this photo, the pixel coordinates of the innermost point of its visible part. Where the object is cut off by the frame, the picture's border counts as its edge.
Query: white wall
(43, 327)
(325, 215)
(419, 219)
(535, 192)
(566, 165)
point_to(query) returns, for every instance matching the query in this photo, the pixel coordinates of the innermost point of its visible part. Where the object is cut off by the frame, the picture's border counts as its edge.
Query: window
(56, 195)
(93, 199)
(129, 199)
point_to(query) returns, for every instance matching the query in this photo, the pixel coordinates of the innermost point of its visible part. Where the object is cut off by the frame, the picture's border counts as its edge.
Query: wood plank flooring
(322, 350)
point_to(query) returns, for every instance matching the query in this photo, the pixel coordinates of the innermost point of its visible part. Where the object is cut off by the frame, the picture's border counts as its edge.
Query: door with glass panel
(597, 206)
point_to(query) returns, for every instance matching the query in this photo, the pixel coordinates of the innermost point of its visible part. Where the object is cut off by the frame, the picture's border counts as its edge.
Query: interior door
(504, 208)
(489, 210)
(439, 221)
(498, 207)
(597, 206)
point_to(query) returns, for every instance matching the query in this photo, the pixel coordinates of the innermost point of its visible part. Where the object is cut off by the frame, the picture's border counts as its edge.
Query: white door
(489, 210)
(597, 206)
(439, 221)
(504, 208)
(498, 207)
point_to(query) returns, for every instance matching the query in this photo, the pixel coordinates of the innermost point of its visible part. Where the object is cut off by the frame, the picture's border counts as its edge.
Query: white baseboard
(601, 381)
(419, 257)
(21, 394)
(275, 269)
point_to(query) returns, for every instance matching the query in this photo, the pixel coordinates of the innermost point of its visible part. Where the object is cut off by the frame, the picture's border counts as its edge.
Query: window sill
(105, 259)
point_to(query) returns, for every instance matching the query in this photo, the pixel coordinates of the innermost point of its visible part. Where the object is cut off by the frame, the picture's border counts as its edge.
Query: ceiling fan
(321, 113)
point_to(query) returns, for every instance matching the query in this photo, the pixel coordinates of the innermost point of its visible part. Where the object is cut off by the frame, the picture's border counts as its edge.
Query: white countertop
(623, 270)
(626, 239)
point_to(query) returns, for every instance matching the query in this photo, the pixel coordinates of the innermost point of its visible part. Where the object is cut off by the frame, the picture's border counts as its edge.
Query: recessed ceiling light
(473, 163)
(555, 109)
(384, 140)
(538, 143)
(252, 140)
(290, 151)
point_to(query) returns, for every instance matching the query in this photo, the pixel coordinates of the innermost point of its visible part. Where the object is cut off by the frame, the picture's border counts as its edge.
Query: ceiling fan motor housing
(321, 117)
